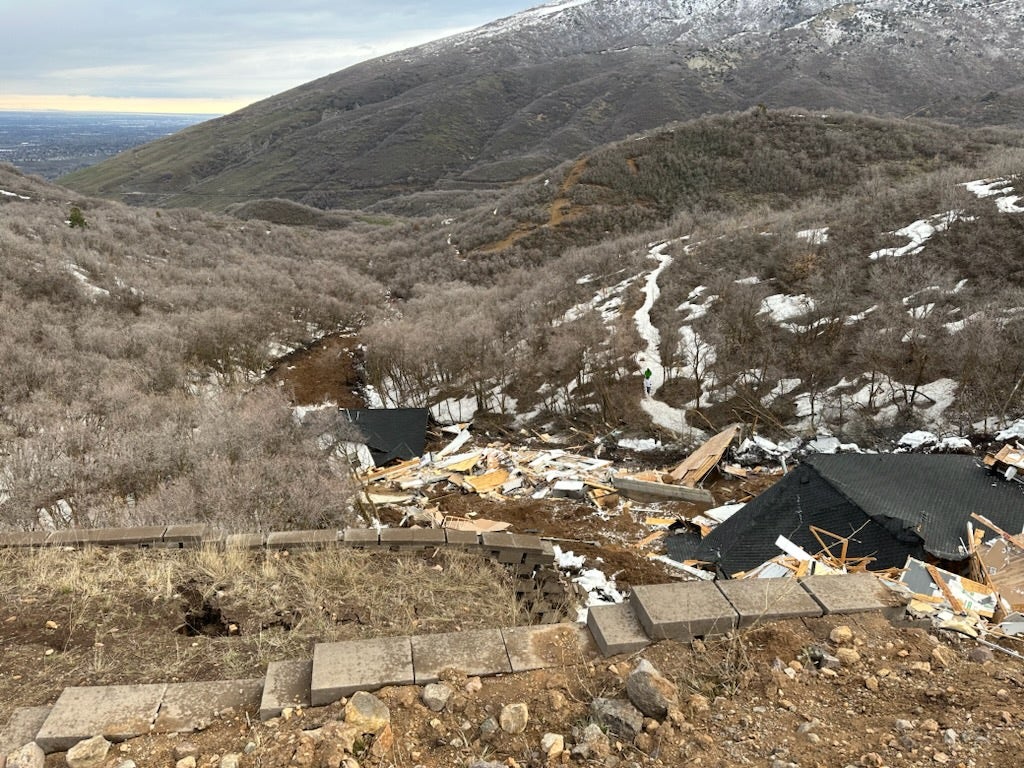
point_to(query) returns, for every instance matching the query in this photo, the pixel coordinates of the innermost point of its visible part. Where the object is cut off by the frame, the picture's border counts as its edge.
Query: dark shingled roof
(889, 505)
(391, 433)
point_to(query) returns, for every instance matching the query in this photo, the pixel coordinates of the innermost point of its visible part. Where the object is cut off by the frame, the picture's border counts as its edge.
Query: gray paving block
(616, 629)
(757, 600)
(145, 536)
(682, 611)
(853, 593)
(361, 538)
(311, 539)
(117, 712)
(22, 727)
(463, 539)
(245, 541)
(411, 538)
(287, 685)
(543, 646)
(476, 652)
(341, 669)
(24, 538)
(188, 707)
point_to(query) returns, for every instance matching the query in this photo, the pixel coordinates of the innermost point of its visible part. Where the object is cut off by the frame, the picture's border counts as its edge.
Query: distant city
(52, 144)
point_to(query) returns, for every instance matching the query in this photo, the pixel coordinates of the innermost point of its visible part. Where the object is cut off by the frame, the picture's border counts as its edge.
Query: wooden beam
(629, 485)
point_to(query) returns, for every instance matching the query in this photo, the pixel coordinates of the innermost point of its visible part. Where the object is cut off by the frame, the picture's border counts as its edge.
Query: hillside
(797, 272)
(511, 99)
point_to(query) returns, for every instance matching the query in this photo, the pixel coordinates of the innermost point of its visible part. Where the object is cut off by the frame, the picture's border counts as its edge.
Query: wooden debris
(478, 525)
(695, 467)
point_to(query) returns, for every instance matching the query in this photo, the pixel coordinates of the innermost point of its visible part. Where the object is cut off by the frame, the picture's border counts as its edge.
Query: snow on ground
(645, 444)
(660, 412)
(781, 307)
(1005, 202)
(752, 280)
(1008, 204)
(599, 588)
(5, 193)
(924, 439)
(80, 275)
(814, 236)
(607, 301)
(1013, 432)
(918, 234)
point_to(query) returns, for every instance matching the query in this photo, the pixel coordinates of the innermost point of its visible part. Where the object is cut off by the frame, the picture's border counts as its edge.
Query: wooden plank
(488, 481)
(940, 582)
(629, 485)
(698, 464)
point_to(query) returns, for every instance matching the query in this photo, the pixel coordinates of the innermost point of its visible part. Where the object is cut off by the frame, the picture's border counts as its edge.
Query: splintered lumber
(487, 481)
(628, 485)
(695, 467)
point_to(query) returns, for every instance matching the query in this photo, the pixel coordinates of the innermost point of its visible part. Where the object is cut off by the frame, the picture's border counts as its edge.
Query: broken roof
(391, 433)
(888, 505)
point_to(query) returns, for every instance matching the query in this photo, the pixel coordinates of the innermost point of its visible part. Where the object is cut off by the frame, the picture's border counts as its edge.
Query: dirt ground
(907, 698)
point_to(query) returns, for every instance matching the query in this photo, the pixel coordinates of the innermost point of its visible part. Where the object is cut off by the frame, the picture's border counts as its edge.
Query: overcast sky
(205, 56)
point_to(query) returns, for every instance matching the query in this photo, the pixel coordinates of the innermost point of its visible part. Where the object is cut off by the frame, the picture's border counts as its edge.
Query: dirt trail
(560, 210)
(328, 370)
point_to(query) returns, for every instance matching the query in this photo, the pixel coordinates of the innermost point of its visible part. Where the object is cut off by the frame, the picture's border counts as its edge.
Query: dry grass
(123, 616)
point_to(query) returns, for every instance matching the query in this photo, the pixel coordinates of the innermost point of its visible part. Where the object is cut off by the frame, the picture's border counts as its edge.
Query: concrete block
(287, 685)
(361, 538)
(117, 712)
(411, 538)
(461, 539)
(341, 669)
(476, 652)
(184, 536)
(146, 536)
(188, 707)
(616, 629)
(311, 539)
(853, 593)
(23, 538)
(245, 541)
(682, 611)
(758, 600)
(22, 727)
(541, 647)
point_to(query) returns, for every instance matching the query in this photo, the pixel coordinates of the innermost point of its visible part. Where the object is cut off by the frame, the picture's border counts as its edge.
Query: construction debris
(1008, 462)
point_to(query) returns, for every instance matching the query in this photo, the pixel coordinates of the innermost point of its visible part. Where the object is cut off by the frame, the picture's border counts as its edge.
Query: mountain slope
(516, 97)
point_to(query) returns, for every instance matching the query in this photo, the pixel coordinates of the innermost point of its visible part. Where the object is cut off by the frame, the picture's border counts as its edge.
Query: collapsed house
(390, 433)
(874, 510)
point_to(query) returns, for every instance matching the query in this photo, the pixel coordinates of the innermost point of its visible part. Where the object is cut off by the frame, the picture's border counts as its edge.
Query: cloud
(212, 49)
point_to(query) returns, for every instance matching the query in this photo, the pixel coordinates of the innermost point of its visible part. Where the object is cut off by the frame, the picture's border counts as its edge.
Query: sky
(205, 56)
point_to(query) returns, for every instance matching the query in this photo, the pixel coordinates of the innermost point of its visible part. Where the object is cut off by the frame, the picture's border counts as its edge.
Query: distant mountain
(522, 94)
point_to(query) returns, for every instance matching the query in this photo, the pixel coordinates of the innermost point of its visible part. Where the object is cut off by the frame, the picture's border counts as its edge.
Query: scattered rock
(902, 726)
(488, 728)
(88, 753)
(367, 712)
(185, 749)
(871, 683)
(338, 737)
(29, 756)
(230, 760)
(304, 751)
(553, 745)
(474, 686)
(514, 717)
(592, 744)
(557, 700)
(383, 743)
(942, 657)
(122, 764)
(618, 715)
(923, 667)
(188, 761)
(847, 656)
(698, 704)
(435, 696)
(841, 635)
(980, 655)
(650, 691)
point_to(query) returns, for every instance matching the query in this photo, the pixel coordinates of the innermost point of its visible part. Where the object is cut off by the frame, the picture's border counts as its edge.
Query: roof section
(790, 507)
(889, 505)
(391, 433)
(932, 494)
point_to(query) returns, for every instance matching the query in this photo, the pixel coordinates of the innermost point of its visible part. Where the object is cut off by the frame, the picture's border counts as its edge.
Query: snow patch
(918, 234)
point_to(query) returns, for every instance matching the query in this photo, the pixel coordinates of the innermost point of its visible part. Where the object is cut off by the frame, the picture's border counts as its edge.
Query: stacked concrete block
(411, 539)
(361, 538)
(245, 541)
(24, 539)
(190, 537)
(148, 536)
(467, 541)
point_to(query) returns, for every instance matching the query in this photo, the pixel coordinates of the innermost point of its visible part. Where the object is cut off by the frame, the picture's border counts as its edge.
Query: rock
(942, 657)
(367, 712)
(841, 635)
(29, 756)
(847, 656)
(488, 728)
(557, 700)
(188, 761)
(305, 750)
(88, 753)
(902, 726)
(698, 704)
(980, 655)
(474, 686)
(185, 749)
(383, 743)
(923, 667)
(435, 696)
(339, 737)
(230, 760)
(514, 717)
(593, 744)
(619, 716)
(650, 691)
(950, 737)
(929, 725)
(871, 683)
(552, 745)
(122, 764)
